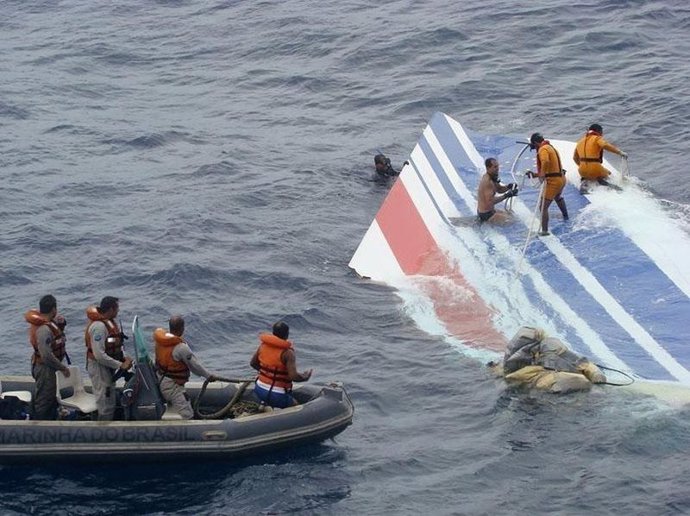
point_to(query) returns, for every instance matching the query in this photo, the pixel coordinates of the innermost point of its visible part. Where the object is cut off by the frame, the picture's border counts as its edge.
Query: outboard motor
(141, 397)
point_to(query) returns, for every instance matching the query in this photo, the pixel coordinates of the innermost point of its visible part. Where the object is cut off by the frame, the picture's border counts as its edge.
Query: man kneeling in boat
(277, 366)
(546, 363)
(487, 195)
(174, 362)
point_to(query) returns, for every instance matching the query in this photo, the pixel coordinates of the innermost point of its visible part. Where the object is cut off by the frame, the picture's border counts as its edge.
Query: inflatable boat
(145, 430)
(612, 281)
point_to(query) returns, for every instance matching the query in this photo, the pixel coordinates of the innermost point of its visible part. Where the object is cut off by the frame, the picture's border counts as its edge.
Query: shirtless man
(487, 194)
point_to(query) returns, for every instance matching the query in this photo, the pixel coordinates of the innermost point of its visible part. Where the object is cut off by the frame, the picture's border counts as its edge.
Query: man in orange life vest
(47, 337)
(589, 156)
(174, 362)
(550, 171)
(276, 363)
(104, 354)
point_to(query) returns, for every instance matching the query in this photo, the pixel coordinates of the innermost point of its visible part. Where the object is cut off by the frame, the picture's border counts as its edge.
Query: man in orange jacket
(174, 363)
(47, 337)
(550, 171)
(589, 156)
(277, 366)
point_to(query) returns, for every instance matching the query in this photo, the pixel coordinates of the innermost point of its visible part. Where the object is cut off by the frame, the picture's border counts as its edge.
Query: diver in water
(589, 156)
(384, 169)
(490, 187)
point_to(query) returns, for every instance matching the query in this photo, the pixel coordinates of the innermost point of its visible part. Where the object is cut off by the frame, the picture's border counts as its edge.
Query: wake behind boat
(144, 430)
(611, 282)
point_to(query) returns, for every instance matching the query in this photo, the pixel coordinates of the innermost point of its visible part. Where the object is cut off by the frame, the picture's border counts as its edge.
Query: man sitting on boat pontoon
(174, 363)
(487, 194)
(277, 366)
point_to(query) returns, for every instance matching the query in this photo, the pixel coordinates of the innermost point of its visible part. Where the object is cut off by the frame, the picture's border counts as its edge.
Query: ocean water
(214, 159)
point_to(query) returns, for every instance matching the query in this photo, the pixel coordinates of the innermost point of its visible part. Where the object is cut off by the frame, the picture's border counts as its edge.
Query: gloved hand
(515, 189)
(509, 194)
(406, 163)
(511, 186)
(624, 155)
(529, 173)
(213, 378)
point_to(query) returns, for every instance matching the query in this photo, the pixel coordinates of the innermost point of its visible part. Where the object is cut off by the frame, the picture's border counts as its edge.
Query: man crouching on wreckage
(535, 360)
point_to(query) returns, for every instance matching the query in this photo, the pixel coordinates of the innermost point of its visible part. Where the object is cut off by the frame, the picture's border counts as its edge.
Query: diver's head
(381, 162)
(596, 128)
(281, 330)
(491, 165)
(535, 140)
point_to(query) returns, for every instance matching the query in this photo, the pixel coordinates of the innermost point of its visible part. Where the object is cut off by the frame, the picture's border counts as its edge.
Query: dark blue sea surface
(214, 159)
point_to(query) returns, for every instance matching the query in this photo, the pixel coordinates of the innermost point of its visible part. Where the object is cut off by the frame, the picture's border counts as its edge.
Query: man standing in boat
(550, 171)
(589, 156)
(104, 354)
(275, 360)
(174, 363)
(488, 196)
(47, 337)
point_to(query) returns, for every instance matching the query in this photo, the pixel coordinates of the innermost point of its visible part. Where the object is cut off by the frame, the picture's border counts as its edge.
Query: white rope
(540, 202)
(625, 171)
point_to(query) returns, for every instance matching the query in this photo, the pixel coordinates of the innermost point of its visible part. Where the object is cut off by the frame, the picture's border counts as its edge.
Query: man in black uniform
(384, 169)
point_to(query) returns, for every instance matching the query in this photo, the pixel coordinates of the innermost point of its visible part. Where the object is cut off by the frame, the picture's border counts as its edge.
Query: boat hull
(326, 412)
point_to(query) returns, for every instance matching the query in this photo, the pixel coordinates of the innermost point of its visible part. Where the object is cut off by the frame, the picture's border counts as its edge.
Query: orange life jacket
(592, 154)
(113, 343)
(165, 363)
(36, 320)
(272, 370)
(555, 170)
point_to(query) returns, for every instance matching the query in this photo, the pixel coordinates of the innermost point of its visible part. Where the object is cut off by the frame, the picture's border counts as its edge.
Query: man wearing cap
(589, 156)
(104, 354)
(550, 171)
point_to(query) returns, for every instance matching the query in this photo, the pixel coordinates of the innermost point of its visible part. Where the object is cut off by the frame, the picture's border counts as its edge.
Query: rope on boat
(220, 414)
(530, 226)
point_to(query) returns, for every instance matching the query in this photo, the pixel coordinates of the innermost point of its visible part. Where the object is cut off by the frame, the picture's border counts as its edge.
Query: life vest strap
(591, 160)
